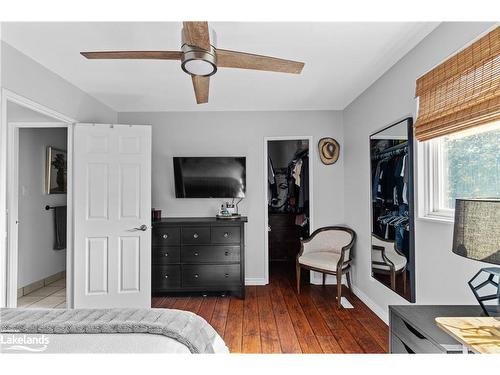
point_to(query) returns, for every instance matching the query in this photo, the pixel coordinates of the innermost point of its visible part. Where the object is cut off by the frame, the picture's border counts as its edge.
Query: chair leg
(324, 278)
(348, 277)
(339, 289)
(393, 280)
(298, 277)
(404, 281)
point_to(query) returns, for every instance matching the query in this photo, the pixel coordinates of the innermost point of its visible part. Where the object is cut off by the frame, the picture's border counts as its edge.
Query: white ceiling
(341, 60)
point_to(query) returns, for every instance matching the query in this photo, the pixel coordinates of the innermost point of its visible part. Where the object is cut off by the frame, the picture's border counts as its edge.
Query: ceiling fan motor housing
(198, 61)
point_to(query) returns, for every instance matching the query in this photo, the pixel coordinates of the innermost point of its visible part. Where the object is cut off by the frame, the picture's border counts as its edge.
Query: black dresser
(413, 328)
(198, 255)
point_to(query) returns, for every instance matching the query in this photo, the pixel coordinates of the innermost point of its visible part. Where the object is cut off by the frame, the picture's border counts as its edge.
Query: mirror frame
(411, 205)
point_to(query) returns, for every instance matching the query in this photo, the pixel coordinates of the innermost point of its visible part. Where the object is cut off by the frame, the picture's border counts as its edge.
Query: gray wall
(26, 77)
(36, 257)
(441, 277)
(241, 133)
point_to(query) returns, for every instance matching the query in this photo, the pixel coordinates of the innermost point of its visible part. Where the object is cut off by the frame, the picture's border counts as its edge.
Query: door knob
(195, 235)
(143, 228)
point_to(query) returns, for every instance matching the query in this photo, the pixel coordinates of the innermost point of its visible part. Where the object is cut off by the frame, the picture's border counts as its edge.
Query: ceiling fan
(200, 58)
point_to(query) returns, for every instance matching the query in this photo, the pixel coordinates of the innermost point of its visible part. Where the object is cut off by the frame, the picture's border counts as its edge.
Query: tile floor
(52, 296)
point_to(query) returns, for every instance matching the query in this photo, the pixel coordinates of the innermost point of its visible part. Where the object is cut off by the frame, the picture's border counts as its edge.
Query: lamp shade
(476, 233)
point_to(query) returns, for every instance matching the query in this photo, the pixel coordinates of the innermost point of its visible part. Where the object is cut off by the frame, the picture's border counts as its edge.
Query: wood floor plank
(233, 336)
(168, 302)
(288, 339)
(275, 319)
(207, 308)
(194, 304)
(156, 302)
(378, 333)
(251, 327)
(181, 303)
(339, 331)
(269, 337)
(305, 335)
(219, 316)
(329, 345)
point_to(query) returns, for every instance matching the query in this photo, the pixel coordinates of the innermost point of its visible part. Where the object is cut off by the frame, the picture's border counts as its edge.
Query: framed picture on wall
(56, 171)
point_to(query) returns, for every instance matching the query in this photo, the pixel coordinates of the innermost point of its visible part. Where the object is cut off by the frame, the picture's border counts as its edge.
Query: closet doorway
(288, 183)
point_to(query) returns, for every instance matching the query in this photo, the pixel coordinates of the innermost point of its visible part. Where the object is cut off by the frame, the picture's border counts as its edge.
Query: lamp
(476, 235)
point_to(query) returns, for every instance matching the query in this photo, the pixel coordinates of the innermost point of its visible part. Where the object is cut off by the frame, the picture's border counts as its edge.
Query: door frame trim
(9, 169)
(310, 139)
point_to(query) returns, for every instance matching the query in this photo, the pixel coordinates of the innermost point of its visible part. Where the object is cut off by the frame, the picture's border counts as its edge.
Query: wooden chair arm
(384, 257)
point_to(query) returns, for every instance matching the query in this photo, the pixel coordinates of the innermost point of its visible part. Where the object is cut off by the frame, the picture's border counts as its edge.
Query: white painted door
(112, 215)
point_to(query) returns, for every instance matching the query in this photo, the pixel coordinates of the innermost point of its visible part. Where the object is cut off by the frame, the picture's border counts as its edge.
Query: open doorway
(288, 202)
(38, 199)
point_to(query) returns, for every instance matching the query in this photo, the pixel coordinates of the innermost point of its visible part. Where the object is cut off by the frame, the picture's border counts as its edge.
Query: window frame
(433, 162)
(433, 186)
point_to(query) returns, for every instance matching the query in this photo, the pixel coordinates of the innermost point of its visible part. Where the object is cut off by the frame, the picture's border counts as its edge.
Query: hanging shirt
(296, 172)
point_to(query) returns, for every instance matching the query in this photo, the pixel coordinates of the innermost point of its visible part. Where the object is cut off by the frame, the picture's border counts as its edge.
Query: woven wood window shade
(462, 92)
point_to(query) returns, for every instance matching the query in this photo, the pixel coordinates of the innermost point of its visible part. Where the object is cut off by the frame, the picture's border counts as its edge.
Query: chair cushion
(398, 260)
(324, 260)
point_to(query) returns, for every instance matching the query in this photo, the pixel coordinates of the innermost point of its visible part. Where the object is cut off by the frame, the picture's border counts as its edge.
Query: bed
(107, 331)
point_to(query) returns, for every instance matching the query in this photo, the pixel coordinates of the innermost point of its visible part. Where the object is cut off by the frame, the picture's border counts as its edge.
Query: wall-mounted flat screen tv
(210, 177)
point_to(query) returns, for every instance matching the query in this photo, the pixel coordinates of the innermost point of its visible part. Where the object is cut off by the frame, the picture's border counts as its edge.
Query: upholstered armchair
(386, 259)
(328, 250)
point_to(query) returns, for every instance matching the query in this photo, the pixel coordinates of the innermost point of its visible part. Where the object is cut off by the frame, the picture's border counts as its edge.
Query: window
(462, 165)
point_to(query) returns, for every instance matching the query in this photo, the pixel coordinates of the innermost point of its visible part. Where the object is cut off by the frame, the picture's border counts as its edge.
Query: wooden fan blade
(196, 34)
(144, 55)
(201, 85)
(242, 60)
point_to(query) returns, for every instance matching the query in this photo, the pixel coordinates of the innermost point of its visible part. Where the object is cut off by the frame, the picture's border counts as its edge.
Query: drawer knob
(195, 235)
(196, 275)
(226, 275)
(226, 253)
(166, 276)
(165, 236)
(196, 254)
(166, 254)
(226, 234)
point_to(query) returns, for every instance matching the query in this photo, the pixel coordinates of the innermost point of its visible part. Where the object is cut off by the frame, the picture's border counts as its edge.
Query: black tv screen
(210, 177)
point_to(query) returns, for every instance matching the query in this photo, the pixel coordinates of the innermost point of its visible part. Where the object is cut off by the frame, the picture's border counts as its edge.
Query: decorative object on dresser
(476, 235)
(392, 226)
(328, 251)
(199, 255)
(413, 328)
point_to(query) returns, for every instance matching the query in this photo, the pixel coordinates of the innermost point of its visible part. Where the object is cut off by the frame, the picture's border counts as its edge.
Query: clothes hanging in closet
(390, 195)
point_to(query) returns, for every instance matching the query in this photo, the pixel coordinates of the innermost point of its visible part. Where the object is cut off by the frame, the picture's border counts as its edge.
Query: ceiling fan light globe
(199, 67)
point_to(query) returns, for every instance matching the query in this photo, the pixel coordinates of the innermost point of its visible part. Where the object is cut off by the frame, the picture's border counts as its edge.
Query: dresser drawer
(399, 347)
(165, 277)
(196, 235)
(209, 275)
(210, 254)
(226, 234)
(412, 337)
(166, 255)
(166, 236)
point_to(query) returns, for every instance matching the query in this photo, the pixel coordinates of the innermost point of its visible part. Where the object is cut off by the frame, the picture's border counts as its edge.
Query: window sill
(436, 218)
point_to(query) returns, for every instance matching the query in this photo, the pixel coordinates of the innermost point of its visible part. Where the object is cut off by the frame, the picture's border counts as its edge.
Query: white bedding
(110, 343)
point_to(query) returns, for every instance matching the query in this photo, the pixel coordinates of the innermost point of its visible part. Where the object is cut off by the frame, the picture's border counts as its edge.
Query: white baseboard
(255, 281)
(372, 305)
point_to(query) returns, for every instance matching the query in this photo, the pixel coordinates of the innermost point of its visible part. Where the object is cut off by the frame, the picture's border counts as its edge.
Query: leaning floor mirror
(392, 226)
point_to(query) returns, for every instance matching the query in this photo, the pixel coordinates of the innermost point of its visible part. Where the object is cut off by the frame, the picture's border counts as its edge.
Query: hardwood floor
(274, 319)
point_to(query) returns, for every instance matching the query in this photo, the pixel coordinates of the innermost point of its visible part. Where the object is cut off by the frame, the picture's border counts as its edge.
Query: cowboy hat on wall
(329, 150)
